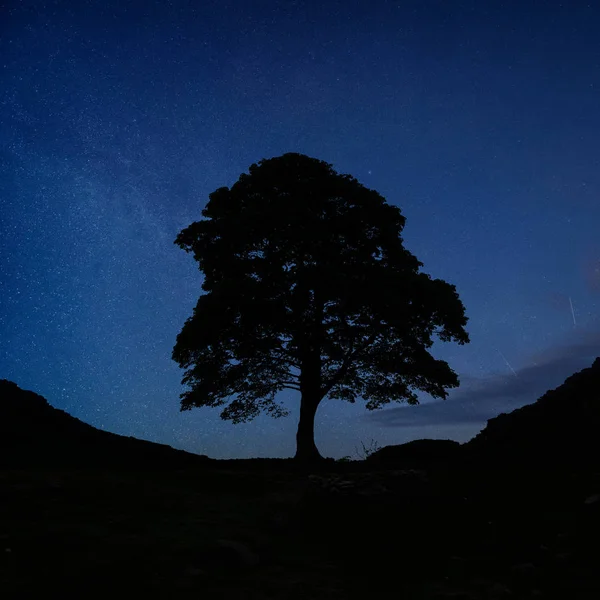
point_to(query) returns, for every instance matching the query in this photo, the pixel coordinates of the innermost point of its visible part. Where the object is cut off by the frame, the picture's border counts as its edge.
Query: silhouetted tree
(309, 288)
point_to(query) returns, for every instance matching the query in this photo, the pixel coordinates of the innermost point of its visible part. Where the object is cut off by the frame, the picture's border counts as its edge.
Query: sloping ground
(416, 454)
(488, 529)
(560, 429)
(32, 432)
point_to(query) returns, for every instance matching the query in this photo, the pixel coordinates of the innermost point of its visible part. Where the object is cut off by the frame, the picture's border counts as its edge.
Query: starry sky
(479, 120)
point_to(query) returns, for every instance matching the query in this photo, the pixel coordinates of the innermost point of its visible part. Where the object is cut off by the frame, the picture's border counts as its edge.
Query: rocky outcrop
(32, 432)
(561, 428)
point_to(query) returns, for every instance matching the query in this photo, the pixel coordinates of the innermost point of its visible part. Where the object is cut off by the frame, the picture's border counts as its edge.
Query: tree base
(311, 464)
(308, 455)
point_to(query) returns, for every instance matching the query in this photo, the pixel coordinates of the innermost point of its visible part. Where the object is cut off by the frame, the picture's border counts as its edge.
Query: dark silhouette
(559, 430)
(452, 528)
(416, 454)
(32, 432)
(309, 288)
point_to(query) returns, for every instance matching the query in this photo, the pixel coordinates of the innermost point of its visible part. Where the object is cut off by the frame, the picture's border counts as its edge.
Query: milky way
(117, 119)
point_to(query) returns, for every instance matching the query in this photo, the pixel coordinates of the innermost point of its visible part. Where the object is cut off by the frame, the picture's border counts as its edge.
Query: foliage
(309, 287)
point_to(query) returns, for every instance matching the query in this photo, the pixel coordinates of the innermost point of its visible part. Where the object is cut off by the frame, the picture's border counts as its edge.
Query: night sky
(479, 119)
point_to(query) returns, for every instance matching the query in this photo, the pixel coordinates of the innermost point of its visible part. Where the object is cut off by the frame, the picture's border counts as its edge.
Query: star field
(117, 119)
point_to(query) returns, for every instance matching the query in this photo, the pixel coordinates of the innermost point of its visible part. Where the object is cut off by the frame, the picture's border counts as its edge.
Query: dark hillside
(418, 454)
(32, 432)
(558, 431)
(561, 429)
(261, 529)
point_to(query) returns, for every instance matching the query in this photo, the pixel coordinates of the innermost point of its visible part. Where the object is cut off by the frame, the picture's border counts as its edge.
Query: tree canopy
(309, 287)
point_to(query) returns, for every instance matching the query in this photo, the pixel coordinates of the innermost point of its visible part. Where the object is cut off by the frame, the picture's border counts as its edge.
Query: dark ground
(461, 533)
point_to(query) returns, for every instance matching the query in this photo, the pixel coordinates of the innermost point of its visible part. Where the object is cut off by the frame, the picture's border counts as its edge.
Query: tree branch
(290, 386)
(280, 361)
(286, 356)
(352, 354)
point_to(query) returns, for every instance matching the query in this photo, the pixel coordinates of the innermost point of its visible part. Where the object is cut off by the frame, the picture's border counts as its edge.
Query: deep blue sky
(479, 119)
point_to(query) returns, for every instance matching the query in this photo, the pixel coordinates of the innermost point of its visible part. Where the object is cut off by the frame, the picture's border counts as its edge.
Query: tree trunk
(306, 449)
(310, 387)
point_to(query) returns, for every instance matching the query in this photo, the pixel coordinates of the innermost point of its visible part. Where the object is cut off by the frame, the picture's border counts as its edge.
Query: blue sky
(478, 119)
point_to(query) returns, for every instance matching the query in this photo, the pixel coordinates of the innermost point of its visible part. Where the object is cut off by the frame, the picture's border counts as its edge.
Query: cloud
(591, 269)
(480, 399)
